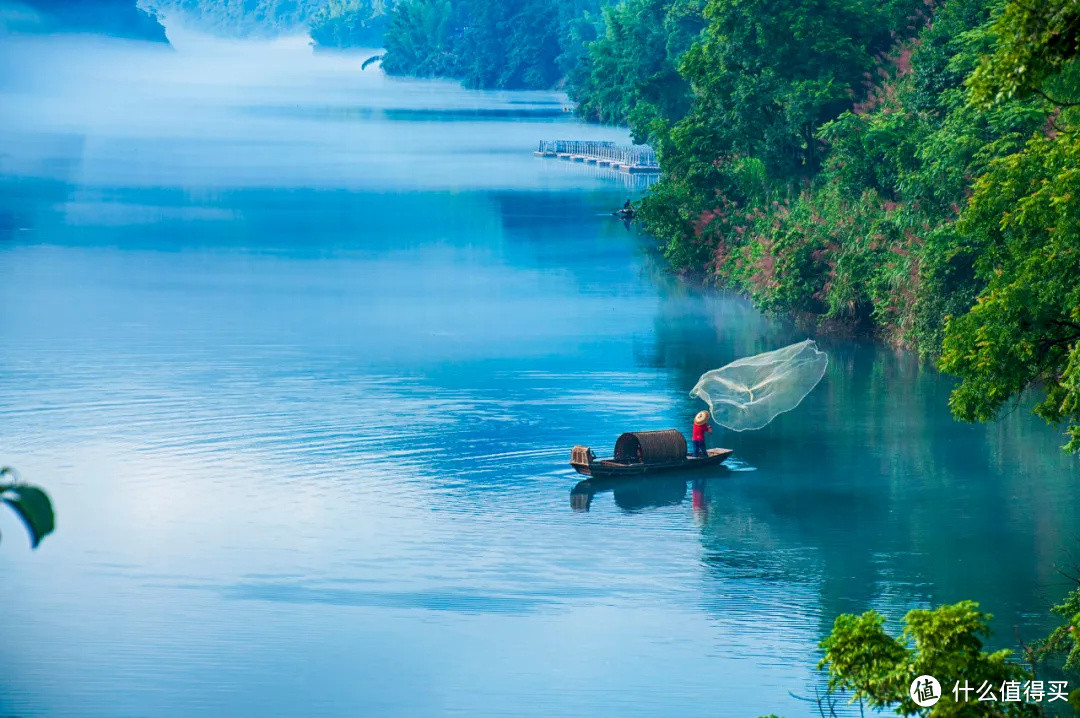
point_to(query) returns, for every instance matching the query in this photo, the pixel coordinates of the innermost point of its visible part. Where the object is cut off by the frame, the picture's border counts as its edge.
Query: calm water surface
(300, 352)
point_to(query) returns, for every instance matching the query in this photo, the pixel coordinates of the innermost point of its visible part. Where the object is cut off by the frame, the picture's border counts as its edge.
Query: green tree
(1024, 330)
(511, 44)
(767, 74)
(1037, 49)
(418, 39)
(349, 23)
(238, 18)
(867, 239)
(946, 643)
(1064, 641)
(633, 65)
(763, 78)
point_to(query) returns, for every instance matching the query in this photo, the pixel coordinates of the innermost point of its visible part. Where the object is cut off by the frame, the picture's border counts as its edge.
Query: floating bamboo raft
(628, 159)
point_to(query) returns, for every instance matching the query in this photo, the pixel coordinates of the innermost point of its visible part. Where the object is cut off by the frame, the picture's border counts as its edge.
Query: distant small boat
(626, 213)
(644, 452)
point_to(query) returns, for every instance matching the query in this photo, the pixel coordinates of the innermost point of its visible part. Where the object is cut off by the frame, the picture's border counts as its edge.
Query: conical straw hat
(701, 418)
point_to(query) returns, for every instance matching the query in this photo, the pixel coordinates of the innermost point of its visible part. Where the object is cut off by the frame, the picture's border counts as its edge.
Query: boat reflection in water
(637, 494)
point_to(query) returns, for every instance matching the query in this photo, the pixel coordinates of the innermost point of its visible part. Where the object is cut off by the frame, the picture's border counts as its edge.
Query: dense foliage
(510, 44)
(331, 23)
(873, 166)
(1024, 329)
(240, 18)
(632, 67)
(613, 58)
(350, 23)
(877, 669)
(869, 666)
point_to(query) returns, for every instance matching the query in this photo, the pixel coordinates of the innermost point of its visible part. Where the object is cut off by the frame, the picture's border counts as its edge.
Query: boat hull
(609, 468)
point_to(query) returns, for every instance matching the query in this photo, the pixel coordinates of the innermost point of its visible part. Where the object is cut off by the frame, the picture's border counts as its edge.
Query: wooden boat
(644, 452)
(626, 213)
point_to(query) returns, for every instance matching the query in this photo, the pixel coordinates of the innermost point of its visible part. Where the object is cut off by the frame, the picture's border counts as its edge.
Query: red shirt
(700, 430)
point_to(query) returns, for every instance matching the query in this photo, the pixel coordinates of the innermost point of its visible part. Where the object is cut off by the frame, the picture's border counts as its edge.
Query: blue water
(299, 352)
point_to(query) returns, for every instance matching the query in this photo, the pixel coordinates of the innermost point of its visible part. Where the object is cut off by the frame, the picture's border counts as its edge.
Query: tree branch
(1059, 103)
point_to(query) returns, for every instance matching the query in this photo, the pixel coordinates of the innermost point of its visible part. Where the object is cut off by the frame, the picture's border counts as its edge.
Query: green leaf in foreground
(32, 506)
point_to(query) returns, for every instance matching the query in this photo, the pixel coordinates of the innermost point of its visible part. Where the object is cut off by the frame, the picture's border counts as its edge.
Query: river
(300, 351)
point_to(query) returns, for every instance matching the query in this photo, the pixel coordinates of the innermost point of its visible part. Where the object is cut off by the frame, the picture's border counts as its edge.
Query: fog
(208, 112)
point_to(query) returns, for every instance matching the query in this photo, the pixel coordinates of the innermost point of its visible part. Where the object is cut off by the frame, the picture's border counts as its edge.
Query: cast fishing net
(748, 393)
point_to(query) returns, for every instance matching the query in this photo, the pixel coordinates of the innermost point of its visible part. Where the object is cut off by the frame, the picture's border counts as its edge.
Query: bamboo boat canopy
(655, 446)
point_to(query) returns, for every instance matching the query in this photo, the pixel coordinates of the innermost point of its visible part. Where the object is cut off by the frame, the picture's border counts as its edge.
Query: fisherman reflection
(629, 495)
(698, 502)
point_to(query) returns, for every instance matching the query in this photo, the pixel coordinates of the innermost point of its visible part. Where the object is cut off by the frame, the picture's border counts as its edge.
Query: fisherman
(626, 205)
(701, 428)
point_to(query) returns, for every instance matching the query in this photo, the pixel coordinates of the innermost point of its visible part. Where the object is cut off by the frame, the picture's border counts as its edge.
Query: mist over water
(217, 113)
(299, 352)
